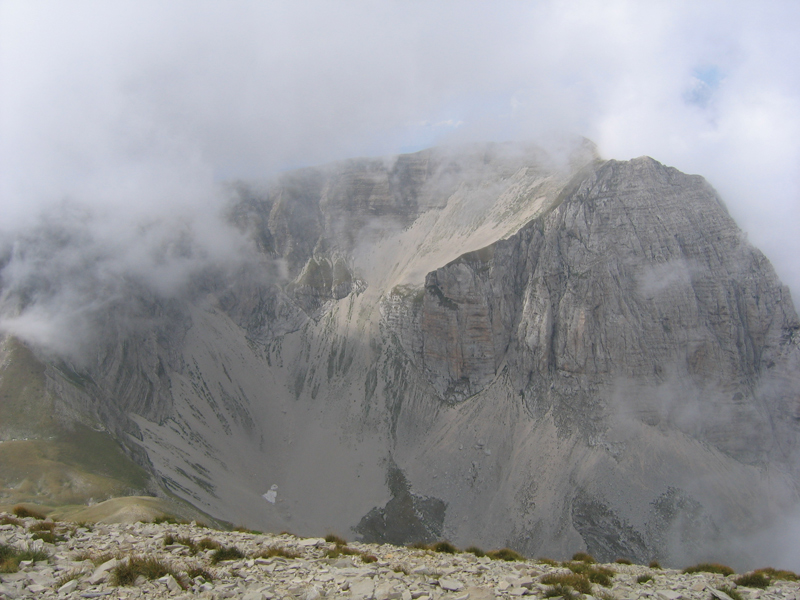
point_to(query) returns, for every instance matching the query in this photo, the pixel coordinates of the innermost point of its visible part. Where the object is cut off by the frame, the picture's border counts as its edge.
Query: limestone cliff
(487, 345)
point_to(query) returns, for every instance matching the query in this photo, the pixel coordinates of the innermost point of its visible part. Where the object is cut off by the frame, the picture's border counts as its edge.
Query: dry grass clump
(654, 564)
(709, 568)
(595, 573)
(69, 576)
(775, 574)
(342, 550)
(583, 557)
(476, 551)
(644, 578)
(197, 571)
(226, 553)
(171, 540)
(623, 561)
(23, 512)
(278, 551)
(335, 539)
(208, 544)
(506, 554)
(547, 561)
(444, 547)
(128, 571)
(753, 580)
(368, 558)
(577, 582)
(9, 520)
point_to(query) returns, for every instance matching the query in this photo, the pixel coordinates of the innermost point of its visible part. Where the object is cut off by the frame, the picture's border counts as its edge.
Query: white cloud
(137, 108)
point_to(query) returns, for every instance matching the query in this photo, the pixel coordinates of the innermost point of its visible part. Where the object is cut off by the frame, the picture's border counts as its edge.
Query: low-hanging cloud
(129, 114)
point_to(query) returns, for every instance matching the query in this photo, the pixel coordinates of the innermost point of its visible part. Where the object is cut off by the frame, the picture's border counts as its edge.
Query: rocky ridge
(85, 560)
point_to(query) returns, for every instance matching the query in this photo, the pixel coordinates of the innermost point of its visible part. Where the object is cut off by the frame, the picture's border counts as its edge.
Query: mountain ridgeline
(485, 345)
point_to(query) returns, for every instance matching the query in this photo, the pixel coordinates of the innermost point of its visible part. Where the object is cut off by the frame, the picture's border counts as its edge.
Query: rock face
(487, 346)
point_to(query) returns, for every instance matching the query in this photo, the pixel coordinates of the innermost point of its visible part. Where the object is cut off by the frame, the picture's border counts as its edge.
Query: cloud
(136, 110)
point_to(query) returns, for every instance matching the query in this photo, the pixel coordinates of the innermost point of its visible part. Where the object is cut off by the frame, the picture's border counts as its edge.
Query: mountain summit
(489, 344)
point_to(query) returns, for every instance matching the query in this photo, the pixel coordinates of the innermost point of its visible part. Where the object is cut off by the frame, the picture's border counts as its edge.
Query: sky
(128, 114)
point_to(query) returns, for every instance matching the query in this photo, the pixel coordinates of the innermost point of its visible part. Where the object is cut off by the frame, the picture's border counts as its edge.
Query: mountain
(489, 344)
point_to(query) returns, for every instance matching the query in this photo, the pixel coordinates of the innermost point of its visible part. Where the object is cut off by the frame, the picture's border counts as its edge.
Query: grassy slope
(47, 462)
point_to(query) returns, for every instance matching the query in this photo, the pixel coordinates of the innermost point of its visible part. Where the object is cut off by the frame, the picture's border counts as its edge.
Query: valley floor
(148, 560)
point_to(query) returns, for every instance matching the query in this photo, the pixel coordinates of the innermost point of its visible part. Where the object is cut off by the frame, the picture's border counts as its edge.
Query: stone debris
(83, 562)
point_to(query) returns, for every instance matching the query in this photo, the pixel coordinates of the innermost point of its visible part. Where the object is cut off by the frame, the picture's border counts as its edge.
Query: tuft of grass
(623, 561)
(734, 594)
(476, 551)
(149, 567)
(583, 557)
(780, 574)
(279, 551)
(605, 595)
(560, 591)
(226, 553)
(644, 578)
(10, 557)
(506, 554)
(654, 564)
(601, 576)
(444, 547)
(340, 550)
(419, 546)
(709, 568)
(579, 583)
(195, 572)
(170, 540)
(547, 561)
(24, 512)
(9, 520)
(335, 539)
(208, 544)
(168, 520)
(243, 529)
(69, 576)
(47, 537)
(368, 558)
(753, 580)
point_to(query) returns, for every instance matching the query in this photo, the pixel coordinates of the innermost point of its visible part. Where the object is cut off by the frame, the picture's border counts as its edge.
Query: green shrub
(583, 557)
(709, 568)
(644, 578)
(226, 553)
(577, 582)
(149, 567)
(752, 580)
(505, 554)
(476, 551)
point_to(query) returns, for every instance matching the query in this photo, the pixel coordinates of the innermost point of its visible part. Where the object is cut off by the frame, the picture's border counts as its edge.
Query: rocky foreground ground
(42, 559)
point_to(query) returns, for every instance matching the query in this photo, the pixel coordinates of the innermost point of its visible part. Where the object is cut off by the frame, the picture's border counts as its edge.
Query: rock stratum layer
(486, 346)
